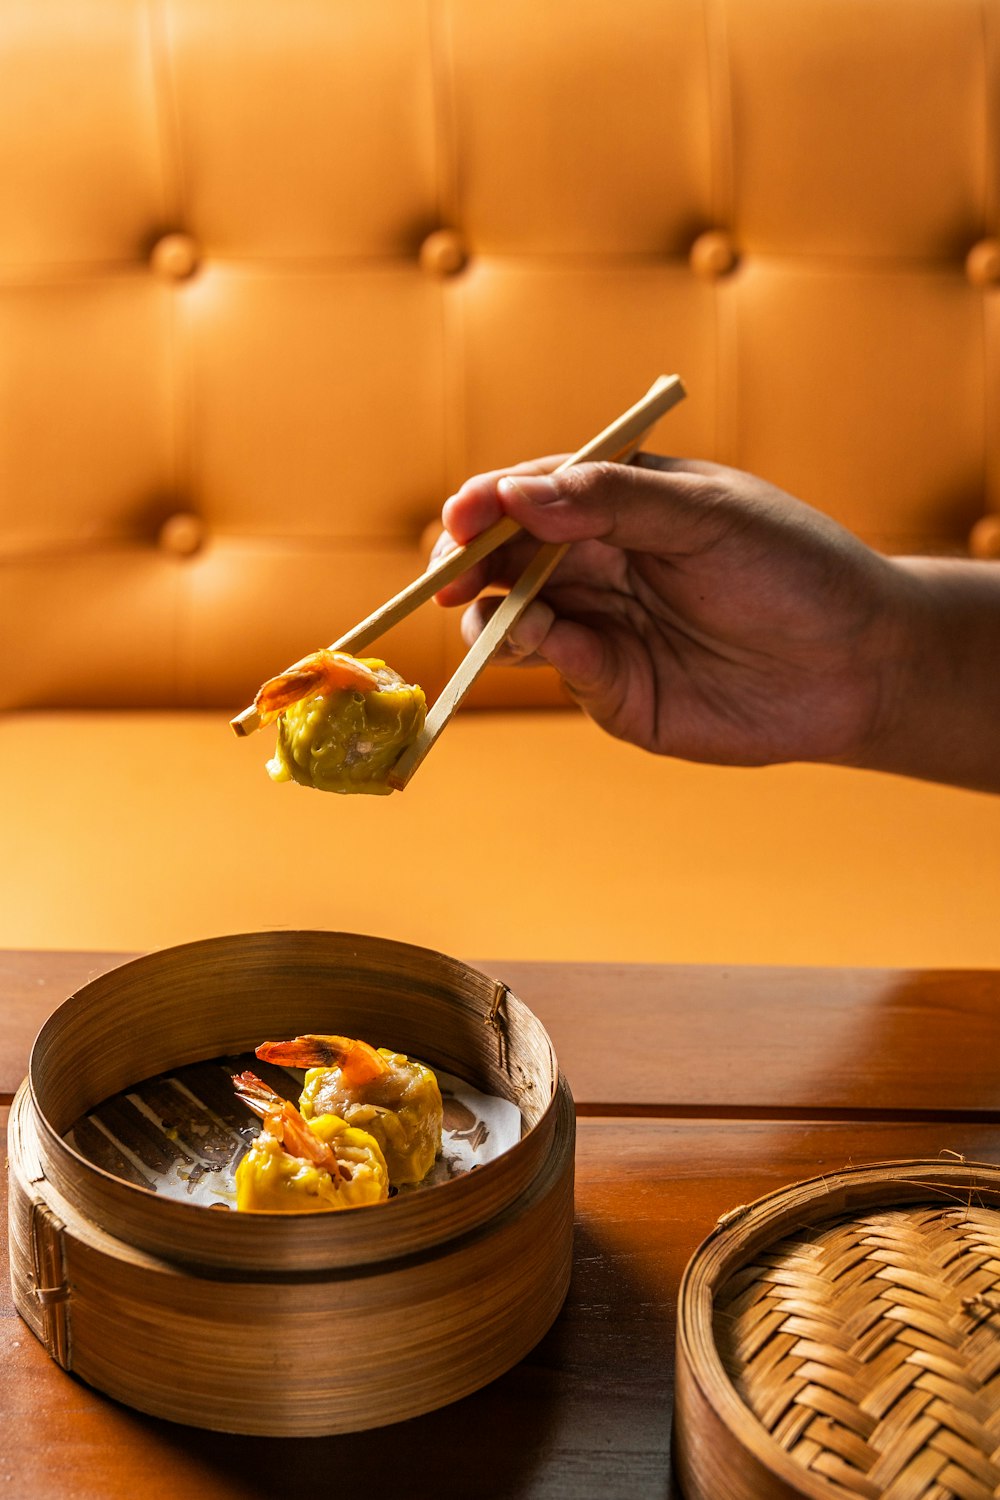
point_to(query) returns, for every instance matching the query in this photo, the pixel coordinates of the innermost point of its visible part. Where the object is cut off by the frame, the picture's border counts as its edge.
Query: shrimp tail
(359, 1063)
(255, 1093)
(285, 1123)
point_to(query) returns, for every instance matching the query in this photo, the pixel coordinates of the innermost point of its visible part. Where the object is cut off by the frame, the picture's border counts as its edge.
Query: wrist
(939, 710)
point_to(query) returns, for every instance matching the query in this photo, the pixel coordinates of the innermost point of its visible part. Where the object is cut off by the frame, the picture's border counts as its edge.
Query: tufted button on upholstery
(182, 534)
(713, 254)
(982, 264)
(984, 539)
(443, 253)
(175, 257)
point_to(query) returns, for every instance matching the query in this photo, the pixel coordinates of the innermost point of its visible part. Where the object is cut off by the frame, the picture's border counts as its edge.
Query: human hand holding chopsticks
(702, 613)
(618, 442)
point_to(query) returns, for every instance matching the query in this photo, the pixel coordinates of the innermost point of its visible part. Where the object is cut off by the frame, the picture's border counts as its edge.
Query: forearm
(941, 714)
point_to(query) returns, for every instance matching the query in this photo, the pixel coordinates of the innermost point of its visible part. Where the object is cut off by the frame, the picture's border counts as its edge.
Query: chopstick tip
(245, 723)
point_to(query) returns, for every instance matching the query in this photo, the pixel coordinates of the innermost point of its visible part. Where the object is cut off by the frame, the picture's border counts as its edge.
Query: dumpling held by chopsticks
(343, 721)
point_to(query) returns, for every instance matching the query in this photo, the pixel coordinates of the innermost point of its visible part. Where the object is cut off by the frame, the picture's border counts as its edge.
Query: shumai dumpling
(393, 1097)
(305, 1166)
(343, 722)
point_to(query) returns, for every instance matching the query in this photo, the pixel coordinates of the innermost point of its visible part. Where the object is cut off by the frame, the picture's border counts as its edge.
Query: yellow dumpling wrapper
(349, 740)
(271, 1180)
(402, 1110)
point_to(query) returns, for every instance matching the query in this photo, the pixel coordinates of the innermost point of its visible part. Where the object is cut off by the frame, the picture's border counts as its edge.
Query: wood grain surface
(730, 1083)
(743, 1040)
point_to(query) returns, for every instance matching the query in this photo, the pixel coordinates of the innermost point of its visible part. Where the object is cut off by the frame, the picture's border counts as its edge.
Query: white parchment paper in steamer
(477, 1128)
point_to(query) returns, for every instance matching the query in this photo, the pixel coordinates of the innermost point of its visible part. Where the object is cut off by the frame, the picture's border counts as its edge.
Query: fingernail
(537, 489)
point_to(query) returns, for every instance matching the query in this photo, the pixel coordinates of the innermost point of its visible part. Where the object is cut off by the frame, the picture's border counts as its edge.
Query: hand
(699, 612)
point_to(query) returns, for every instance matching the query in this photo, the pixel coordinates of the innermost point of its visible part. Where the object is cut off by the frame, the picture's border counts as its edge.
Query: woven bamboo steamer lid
(371, 1314)
(841, 1339)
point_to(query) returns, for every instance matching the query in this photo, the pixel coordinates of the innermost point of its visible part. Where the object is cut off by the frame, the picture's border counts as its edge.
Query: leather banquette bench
(275, 278)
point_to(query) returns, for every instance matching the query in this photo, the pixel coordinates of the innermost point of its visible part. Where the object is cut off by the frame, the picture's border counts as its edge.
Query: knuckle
(584, 481)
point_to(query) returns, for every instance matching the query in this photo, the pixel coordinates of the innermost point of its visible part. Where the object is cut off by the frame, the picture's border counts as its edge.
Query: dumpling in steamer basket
(305, 1166)
(391, 1096)
(343, 721)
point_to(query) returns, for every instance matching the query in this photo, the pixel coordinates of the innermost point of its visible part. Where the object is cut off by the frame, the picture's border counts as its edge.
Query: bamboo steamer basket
(841, 1339)
(289, 1324)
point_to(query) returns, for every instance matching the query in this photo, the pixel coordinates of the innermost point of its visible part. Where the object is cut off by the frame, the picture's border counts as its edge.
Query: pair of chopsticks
(618, 443)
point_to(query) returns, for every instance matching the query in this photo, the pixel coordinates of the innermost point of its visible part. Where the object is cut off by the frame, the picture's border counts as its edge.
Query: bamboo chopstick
(617, 443)
(405, 602)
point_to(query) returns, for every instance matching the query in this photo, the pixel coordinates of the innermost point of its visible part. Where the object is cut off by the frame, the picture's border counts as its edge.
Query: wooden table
(697, 1089)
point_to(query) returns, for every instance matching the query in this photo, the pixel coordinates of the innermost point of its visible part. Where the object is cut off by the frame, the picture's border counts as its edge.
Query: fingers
(576, 652)
(475, 506)
(663, 506)
(501, 567)
(661, 511)
(527, 638)
(470, 511)
(656, 505)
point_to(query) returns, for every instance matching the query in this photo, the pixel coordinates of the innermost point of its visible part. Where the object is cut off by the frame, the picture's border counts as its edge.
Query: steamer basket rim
(284, 941)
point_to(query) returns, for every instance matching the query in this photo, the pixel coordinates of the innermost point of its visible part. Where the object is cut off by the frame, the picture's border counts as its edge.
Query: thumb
(660, 511)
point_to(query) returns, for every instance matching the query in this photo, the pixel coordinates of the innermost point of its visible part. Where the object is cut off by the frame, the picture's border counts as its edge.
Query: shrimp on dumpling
(305, 1166)
(391, 1096)
(343, 721)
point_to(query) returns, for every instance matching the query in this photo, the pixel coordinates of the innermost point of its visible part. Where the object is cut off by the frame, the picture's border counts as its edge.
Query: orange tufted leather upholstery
(275, 278)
